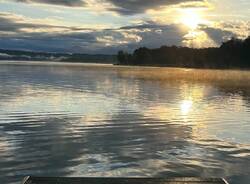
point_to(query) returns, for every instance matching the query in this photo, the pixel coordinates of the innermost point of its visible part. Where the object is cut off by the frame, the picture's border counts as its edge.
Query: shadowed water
(100, 120)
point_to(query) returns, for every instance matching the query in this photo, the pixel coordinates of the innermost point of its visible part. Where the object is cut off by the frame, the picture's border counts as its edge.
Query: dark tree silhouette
(234, 53)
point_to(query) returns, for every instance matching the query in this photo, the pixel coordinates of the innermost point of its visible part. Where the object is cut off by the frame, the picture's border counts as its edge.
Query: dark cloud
(131, 7)
(13, 23)
(218, 35)
(128, 7)
(8, 25)
(72, 3)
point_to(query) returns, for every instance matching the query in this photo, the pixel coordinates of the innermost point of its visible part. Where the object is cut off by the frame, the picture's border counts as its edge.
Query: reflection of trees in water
(241, 89)
(107, 81)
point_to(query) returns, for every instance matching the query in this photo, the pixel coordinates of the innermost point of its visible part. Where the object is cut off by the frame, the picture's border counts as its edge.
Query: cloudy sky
(106, 26)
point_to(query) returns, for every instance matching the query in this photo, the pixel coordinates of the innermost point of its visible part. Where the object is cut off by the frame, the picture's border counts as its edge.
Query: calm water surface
(99, 120)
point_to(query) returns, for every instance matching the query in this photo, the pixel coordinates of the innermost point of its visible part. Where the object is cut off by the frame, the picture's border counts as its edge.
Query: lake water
(102, 120)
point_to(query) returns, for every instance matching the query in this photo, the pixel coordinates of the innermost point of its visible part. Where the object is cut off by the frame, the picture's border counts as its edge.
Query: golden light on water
(186, 106)
(185, 109)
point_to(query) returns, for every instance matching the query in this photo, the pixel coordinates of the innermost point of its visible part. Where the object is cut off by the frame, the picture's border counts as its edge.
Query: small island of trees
(234, 53)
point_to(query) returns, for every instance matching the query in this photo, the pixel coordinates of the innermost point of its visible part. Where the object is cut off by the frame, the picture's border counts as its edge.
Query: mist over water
(101, 120)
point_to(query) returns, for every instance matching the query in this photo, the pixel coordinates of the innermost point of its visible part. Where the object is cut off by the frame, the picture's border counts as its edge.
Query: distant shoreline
(19, 55)
(51, 63)
(185, 67)
(107, 65)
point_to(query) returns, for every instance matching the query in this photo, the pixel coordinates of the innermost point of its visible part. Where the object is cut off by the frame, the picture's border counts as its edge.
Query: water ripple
(88, 121)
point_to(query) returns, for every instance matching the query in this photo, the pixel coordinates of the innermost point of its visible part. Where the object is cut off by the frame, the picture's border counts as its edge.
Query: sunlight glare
(191, 18)
(186, 106)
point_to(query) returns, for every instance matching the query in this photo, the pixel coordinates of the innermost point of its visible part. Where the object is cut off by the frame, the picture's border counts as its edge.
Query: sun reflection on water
(186, 107)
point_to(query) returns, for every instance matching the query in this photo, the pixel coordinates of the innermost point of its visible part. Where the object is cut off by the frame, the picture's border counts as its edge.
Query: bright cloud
(106, 26)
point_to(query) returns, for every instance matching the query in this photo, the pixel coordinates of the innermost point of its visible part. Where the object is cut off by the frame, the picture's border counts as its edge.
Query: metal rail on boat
(62, 180)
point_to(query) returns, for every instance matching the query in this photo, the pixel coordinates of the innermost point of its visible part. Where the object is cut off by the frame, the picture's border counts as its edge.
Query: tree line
(234, 53)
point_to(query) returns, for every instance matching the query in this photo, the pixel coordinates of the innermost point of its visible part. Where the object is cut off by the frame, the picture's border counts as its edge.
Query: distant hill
(234, 53)
(17, 55)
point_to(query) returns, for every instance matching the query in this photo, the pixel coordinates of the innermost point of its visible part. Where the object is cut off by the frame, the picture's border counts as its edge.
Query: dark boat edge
(99, 180)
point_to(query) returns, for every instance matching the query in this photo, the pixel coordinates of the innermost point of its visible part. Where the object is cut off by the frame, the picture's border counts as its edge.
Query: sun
(191, 18)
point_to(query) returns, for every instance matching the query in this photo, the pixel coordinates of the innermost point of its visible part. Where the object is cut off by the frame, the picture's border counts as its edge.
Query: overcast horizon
(106, 26)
